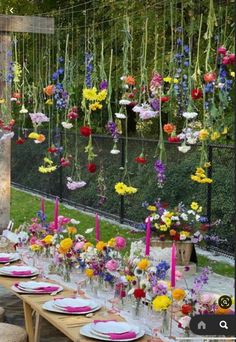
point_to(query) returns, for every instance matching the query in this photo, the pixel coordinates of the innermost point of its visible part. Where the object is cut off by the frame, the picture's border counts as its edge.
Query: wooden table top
(69, 325)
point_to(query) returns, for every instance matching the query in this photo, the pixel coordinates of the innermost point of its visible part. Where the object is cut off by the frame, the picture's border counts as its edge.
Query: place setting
(6, 258)
(72, 306)
(19, 271)
(35, 287)
(112, 331)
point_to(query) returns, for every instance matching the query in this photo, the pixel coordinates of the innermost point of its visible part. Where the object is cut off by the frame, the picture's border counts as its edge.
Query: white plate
(86, 330)
(49, 306)
(11, 256)
(33, 285)
(19, 290)
(74, 302)
(7, 271)
(106, 328)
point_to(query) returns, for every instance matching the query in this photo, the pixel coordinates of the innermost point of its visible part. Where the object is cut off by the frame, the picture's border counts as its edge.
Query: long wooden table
(69, 325)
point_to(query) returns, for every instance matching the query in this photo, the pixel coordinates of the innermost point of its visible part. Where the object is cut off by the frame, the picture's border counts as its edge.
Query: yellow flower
(101, 95)
(87, 245)
(66, 243)
(178, 294)
(120, 188)
(90, 94)
(48, 239)
(131, 190)
(48, 161)
(163, 227)
(225, 131)
(207, 164)
(186, 234)
(167, 221)
(35, 248)
(215, 135)
(47, 169)
(200, 171)
(167, 79)
(33, 135)
(89, 272)
(152, 208)
(161, 303)
(203, 134)
(2, 101)
(176, 80)
(232, 74)
(95, 106)
(111, 242)
(194, 205)
(143, 264)
(199, 210)
(49, 102)
(72, 230)
(100, 246)
(130, 278)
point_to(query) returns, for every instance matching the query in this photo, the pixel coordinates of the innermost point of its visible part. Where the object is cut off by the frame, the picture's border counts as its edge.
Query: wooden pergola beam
(17, 23)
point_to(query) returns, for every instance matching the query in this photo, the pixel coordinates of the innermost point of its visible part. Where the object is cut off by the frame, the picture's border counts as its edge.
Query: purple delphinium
(103, 85)
(200, 281)
(160, 289)
(161, 270)
(160, 169)
(112, 129)
(89, 69)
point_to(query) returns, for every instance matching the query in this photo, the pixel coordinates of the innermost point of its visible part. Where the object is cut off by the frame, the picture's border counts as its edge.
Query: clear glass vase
(165, 328)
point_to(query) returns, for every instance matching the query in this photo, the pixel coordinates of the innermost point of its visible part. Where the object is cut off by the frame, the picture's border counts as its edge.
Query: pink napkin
(77, 309)
(47, 288)
(123, 336)
(102, 321)
(19, 273)
(4, 259)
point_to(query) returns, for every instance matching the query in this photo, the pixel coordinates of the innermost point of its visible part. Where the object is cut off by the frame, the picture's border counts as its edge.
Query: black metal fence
(217, 198)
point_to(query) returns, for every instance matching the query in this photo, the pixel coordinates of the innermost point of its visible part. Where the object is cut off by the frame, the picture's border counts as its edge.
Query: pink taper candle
(97, 228)
(173, 265)
(148, 236)
(56, 210)
(42, 206)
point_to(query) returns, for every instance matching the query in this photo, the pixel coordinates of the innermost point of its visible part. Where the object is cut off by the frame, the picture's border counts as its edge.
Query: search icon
(223, 325)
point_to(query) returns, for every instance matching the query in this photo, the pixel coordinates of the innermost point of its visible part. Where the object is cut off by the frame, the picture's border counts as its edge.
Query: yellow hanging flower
(232, 74)
(100, 246)
(178, 294)
(161, 303)
(215, 135)
(49, 102)
(47, 169)
(194, 205)
(225, 131)
(33, 135)
(131, 190)
(203, 134)
(66, 244)
(90, 94)
(2, 101)
(143, 264)
(95, 106)
(120, 188)
(48, 239)
(167, 221)
(89, 272)
(101, 95)
(167, 79)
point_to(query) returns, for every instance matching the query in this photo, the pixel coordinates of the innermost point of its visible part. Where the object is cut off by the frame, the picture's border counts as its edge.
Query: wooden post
(12, 24)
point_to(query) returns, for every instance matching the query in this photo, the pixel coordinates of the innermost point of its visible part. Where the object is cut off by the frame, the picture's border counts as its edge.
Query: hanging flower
(190, 115)
(210, 77)
(200, 175)
(203, 134)
(120, 116)
(49, 90)
(139, 293)
(103, 85)
(196, 94)
(221, 50)
(90, 93)
(122, 189)
(112, 265)
(52, 149)
(160, 169)
(119, 243)
(115, 150)
(48, 166)
(186, 309)
(124, 102)
(173, 139)
(64, 162)
(169, 128)
(85, 131)
(184, 148)
(20, 141)
(129, 80)
(24, 110)
(91, 167)
(94, 106)
(73, 185)
(156, 81)
(67, 125)
(72, 115)
(38, 118)
(178, 294)
(165, 99)
(140, 159)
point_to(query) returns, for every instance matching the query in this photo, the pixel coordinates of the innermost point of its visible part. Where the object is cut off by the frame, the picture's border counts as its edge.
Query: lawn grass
(24, 206)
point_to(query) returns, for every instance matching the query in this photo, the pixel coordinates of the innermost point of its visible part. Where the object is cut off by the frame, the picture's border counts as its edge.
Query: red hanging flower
(210, 77)
(232, 58)
(64, 162)
(139, 293)
(196, 94)
(169, 128)
(52, 149)
(85, 131)
(140, 160)
(221, 50)
(72, 115)
(165, 99)
(91, 167)
(20, 141)
(186, 309)
(226, 60)
(174, 139)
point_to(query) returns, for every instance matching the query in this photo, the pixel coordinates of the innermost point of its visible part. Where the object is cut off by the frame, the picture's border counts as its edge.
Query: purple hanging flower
(155, 104)
(160, 169)
(103, 85)
(89, 69)
(112, 129)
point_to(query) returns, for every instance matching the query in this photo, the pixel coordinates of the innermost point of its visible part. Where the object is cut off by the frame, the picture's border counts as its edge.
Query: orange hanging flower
(41, 138)
(130, 80)
(169, 128)
(49, 90)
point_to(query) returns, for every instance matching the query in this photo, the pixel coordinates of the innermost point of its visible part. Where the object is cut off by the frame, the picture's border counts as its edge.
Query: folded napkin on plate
(4, 259)
(21, 273)
(77, 309)
(46, 288)
(122, 336)
(102, 321)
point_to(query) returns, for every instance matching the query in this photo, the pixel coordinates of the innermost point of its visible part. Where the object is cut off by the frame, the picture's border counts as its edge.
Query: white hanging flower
(120, 116)
(13, 99)
(137, 109)
(67, 125)
(184, 148)
(115, 151)
(191, 140)
(124, 102)
(23, 110)
(73, 221)
(190, 115)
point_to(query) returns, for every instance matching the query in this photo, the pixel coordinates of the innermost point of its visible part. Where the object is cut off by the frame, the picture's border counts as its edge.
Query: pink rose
(79, 245)
(222, 50)
(120, 243)
(112, 265)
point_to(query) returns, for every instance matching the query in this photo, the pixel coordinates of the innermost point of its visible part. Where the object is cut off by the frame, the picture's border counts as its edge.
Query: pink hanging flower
(221, 50)
(156, 81)
(120, 243)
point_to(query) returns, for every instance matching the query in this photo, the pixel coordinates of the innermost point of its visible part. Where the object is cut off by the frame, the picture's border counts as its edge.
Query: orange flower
(130, 80)
(49, 90)
(172, 232)
(169, 128)
(62, 250)
(41, 138)
(72, 230)
(178, 294)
